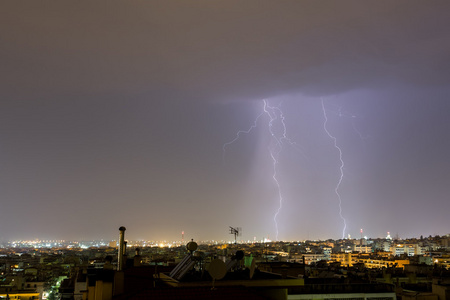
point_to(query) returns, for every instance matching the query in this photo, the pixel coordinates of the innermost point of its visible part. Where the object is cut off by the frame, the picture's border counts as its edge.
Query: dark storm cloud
(115, 113)
(221, 49)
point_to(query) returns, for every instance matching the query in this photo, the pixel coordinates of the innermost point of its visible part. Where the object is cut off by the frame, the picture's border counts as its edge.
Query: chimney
(121, 248)
(137, 258)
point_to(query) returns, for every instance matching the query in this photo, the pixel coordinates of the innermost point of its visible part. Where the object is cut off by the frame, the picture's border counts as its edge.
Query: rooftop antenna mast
(237, 231)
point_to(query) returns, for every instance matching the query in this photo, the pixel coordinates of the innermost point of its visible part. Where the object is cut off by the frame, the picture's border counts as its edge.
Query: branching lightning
(275, 114)
(352, 117)
(277, 130)
(238, 135)
(341, 168)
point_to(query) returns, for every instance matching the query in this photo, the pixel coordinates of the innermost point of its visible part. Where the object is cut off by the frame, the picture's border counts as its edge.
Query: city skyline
(170, 117)
(112, 243)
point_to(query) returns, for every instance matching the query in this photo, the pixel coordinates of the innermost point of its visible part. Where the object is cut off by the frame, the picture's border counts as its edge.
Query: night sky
(116, 113)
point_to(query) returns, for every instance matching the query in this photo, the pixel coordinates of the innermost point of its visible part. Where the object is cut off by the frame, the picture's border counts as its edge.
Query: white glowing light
(275, 114)
(341, 168)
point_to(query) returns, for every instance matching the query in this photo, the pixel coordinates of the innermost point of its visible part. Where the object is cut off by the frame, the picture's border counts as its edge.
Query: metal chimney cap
(122, 228)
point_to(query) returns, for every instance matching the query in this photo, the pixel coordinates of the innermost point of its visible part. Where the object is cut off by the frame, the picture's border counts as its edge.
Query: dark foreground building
(201, 275)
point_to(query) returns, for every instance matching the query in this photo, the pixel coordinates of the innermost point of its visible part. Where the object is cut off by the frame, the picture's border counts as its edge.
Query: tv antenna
(237, 231)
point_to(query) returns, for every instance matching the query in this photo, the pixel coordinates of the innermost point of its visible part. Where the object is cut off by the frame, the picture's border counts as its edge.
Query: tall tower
(361, 241)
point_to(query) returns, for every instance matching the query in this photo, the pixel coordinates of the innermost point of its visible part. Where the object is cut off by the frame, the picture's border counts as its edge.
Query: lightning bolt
(352, 117)
(238, 135)
(341, 167)
(274, 114)
(277, 129)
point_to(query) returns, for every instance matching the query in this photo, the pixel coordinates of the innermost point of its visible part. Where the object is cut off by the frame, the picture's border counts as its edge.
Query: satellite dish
(252, 268)
(217, 269)
(192, 246)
